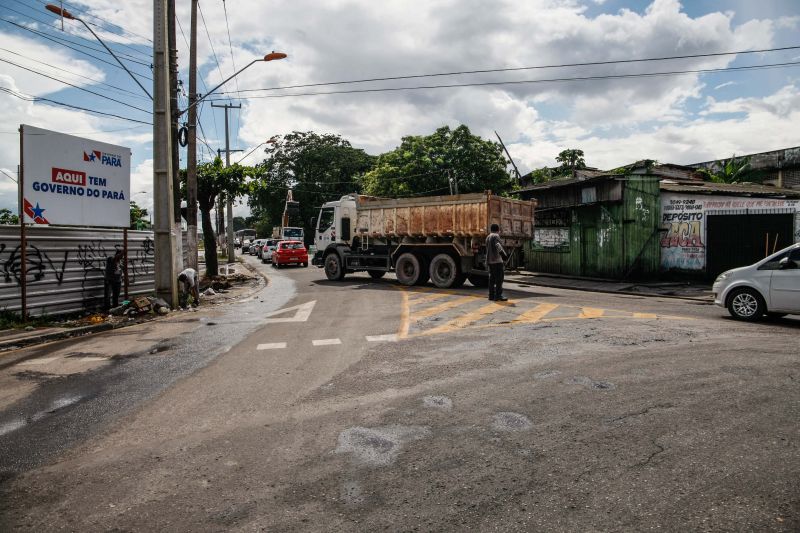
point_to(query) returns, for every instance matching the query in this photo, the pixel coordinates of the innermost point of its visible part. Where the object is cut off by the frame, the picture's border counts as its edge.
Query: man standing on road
(189, 285)
(112, 279)
(495, 257)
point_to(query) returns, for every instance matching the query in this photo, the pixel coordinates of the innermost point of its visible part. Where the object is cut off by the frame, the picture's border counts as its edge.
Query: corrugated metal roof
(740, 189)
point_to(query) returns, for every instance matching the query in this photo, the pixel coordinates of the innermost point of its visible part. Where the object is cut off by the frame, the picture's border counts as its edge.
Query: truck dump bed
(464, 215)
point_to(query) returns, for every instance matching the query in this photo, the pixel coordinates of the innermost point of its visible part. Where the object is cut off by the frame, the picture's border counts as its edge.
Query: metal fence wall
(66, 266)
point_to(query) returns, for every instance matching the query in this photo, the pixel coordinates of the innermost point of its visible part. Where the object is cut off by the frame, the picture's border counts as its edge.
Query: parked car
(290, 253)
(771, 287)
(268, 249)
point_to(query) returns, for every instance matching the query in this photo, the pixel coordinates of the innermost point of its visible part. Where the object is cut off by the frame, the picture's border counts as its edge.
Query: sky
(680, 119)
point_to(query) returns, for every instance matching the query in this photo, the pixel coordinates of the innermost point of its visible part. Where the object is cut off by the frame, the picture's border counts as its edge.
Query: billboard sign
(74, 181)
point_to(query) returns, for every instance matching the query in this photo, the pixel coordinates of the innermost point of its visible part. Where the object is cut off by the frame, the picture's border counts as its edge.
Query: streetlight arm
(197, 101)
(66, 14)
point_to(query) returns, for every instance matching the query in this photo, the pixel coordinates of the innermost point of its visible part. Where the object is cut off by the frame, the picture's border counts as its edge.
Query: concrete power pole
(166, 271)
(174, 154)
(229, 226)
(191, 149)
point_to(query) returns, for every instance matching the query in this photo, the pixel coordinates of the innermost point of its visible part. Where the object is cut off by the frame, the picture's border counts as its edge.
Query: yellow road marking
(427, 297)
(591, 312)
(444, 306)
(465, 320)
(645, 315)
(535, 314)
(402, 331)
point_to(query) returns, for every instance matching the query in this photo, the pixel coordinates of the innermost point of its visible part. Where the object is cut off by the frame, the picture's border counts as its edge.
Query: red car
(290, 253)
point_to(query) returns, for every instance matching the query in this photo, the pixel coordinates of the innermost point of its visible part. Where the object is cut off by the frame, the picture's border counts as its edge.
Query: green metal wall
(616, 240)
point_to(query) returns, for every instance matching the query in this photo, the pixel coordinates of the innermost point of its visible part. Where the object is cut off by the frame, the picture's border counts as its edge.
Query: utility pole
(164, 231)
(191, 149)
(229, 232)
(173, 102)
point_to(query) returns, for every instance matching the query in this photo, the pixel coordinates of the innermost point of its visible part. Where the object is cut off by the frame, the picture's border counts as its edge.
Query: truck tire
(376, 274)
(443, 271)
(478, 280)
(409, 270)
(334, 269)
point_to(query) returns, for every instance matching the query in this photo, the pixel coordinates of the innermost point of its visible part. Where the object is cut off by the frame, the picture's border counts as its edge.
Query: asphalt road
(363, 405)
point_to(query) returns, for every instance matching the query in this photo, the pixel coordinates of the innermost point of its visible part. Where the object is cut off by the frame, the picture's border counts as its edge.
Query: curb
(32, 340)
(697, 299)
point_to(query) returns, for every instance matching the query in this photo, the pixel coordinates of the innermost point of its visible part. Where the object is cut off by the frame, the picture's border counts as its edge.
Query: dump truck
(441, 238)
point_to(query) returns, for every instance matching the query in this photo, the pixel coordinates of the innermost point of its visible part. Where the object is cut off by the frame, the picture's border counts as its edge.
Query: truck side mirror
(345, 228)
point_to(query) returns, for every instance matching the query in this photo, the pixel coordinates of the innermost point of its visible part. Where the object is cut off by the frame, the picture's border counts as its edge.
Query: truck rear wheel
(478, 280)
(410, 270)
(443, 271)
(334, 269)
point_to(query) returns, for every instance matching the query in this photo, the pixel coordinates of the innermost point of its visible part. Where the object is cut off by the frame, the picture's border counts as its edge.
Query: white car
(771, 287)
(269, 248)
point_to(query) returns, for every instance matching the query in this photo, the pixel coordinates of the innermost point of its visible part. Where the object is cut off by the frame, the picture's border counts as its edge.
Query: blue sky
(679, 119)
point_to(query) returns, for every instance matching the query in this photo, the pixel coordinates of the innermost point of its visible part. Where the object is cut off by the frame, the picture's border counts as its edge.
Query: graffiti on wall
(684, 237)
(39, 264)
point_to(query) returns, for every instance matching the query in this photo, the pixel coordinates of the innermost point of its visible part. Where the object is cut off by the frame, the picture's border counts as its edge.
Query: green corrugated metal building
(606, 226)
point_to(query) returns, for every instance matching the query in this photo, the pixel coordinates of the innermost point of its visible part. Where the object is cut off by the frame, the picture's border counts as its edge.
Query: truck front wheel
(409, 270)
(334, 269)
(444, 271)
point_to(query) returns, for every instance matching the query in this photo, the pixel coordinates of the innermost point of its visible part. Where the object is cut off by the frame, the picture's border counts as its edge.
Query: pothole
(508, 421)
(378, 446)
(438, 402)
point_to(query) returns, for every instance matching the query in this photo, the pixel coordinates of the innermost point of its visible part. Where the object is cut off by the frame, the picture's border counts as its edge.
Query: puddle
(438, 402)
(508, 421)
(378, 446)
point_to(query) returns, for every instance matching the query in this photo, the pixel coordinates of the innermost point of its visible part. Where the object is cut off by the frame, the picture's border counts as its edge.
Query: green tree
(430, 164)
(733, 170)
(139, 217)
(571, 160)
(214, 181)
(317, 168)
(7, 217)
(239, 223)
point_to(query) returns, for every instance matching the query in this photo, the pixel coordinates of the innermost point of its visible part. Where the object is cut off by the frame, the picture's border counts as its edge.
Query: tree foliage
(733, 170)
(317, 168)
(139, 217)
(427, 164)
(571, 160)
(7, 217)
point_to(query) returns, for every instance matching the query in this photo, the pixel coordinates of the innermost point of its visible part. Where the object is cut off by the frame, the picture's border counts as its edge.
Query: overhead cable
(30, 98)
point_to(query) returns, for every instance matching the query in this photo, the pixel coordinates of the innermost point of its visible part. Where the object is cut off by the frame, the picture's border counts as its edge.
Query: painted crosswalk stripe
(392, 337)
(591, 312)
(535, 314)
(467, 319)
(271, 346)
(430, 311)
(326, 342)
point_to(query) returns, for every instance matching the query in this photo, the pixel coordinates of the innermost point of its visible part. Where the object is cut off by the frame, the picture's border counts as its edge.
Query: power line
(47, 24)
(521, 82)
(216, 59)
(56, 17)
(81, 132)
(58, 40)
(233, 62)
(131, 93)
(34, 99)
(76, 86)
(514, 69)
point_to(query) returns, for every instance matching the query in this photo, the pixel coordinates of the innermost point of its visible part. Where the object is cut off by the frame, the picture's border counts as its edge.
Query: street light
(272, 56)
(60, 11)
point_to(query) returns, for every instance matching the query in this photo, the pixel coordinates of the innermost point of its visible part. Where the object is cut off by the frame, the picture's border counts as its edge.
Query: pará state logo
(96, 156)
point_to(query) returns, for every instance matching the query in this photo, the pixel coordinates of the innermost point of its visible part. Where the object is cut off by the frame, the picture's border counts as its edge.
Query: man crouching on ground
(495, 257)
(189, 284)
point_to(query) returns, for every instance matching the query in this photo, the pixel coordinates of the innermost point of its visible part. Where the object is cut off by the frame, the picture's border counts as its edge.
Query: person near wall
(495, 261)
(189, 285)
(112, 280)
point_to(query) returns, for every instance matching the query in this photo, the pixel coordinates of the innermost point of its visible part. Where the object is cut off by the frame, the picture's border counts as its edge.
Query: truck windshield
(325, 219)
(293, 233)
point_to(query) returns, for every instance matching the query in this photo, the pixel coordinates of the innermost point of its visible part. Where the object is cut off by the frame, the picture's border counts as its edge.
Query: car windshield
(292, 246)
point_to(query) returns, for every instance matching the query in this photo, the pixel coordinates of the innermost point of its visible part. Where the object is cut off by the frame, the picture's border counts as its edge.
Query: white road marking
(391, 337)
(271, 346)
(8, 427)
(40, 361)
(302, 312)
(326, 342)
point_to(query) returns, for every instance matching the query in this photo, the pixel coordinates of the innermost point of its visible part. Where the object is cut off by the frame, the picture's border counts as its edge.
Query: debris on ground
(209, 292)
